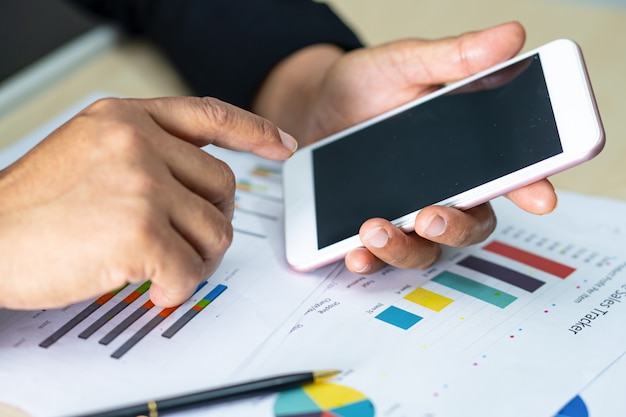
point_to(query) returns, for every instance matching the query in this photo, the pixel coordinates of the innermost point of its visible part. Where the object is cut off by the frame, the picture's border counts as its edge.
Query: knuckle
(140, 184)
(422, 259)
(122, 138)
(264, 128)
(478, 230)
(104, 105)
(218, 112)
(463, 57)
(414, 253)
(221, 238)
(226, 176)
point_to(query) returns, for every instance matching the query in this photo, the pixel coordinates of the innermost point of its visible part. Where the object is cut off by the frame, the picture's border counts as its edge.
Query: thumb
(435, 62)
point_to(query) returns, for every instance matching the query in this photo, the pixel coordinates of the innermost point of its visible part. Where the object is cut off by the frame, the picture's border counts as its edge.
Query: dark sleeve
(226, 48)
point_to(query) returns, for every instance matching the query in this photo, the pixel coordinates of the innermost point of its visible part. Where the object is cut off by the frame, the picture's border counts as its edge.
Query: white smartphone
(466, 143)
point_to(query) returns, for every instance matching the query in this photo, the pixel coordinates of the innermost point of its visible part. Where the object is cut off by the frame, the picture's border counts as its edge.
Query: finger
(175, 269)
(203, 225)
(201, 173)
(204, 121)
(453, 227)
(536, 198)
(362, 261)
(449, 59)
(394, 247)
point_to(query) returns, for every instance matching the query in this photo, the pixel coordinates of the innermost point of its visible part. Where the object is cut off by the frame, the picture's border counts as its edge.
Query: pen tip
(327, 374)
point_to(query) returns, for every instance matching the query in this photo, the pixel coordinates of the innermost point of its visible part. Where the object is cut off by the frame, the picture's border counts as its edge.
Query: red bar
(106, 297)
(167, 311)
(530, 259)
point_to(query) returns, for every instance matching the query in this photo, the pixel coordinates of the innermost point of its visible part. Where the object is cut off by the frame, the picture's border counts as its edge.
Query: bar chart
(139, 309)
(463, 284)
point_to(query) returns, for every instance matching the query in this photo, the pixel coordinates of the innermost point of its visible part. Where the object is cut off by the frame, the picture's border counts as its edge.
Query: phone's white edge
(573, 153)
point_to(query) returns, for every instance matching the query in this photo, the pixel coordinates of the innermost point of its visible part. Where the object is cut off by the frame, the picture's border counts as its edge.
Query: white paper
(469, 358)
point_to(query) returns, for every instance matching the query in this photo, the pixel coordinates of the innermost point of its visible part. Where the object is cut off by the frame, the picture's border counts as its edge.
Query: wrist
(290, 90)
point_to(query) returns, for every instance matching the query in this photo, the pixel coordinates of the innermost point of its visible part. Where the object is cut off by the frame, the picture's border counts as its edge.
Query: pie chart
(575, 408)
(323, 400)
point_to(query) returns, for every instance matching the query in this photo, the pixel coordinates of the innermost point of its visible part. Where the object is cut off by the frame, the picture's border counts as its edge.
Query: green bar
(203, 303)
(475, 289)
(143, 287)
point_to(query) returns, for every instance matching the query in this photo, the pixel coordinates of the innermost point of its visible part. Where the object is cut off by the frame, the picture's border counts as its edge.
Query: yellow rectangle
(428, 299)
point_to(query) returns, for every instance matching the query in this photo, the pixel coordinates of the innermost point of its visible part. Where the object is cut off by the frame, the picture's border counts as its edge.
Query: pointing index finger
(205, 120)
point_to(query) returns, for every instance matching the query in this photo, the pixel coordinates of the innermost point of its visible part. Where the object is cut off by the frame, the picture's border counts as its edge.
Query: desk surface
(135, 69)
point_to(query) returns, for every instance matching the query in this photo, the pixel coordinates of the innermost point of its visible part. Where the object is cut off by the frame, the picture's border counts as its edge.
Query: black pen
(217, 395)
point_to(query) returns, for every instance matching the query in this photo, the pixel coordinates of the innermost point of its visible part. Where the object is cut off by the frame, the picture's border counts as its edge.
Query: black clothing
(226, 48)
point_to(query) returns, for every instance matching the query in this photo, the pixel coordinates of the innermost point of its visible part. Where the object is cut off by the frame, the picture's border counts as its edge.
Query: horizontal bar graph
(79, 318)
(543, 264)
(463, 276)
(124, 323)
(148, 327)
(118, 308)
(143, 332)
(502, 273)
(475, 289)
(398, 317)
(193, 311)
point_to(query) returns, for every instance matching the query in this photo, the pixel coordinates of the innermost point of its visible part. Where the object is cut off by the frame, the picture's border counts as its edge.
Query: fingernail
(377, 237)
(363, 269)
(436, 226)
(288, 141)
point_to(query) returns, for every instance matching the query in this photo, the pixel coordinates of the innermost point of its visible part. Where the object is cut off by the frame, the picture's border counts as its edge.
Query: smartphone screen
(434, 150)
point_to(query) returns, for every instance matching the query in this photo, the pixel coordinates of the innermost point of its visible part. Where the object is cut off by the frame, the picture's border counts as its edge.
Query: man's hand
(328, 90)
(121, 194)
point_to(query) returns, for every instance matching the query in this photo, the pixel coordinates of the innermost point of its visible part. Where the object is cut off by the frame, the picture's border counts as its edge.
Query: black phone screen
(434, 150)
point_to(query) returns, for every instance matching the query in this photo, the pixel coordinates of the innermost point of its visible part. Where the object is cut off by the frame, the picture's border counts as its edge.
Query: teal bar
(475, 289)
(398, 317)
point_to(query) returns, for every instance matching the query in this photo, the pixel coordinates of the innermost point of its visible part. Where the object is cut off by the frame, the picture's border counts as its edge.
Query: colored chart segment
(323, 400)
(502, 273)
(53, 338)
(530, 259)
(118, 308)
(428, 299)
(575, 408)
(475, 289)
(126, 323)
(398, 317)
(147, 328)
(267, 172)
(193, 311)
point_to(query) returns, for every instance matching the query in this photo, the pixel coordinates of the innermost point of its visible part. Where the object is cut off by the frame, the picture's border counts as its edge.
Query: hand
(121, 194)
(358, 85)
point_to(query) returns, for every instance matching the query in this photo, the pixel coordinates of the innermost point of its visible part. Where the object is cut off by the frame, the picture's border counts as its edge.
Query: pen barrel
(234, 392)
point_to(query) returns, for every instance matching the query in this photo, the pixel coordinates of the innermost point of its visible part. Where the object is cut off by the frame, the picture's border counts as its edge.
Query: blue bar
(398, 317)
